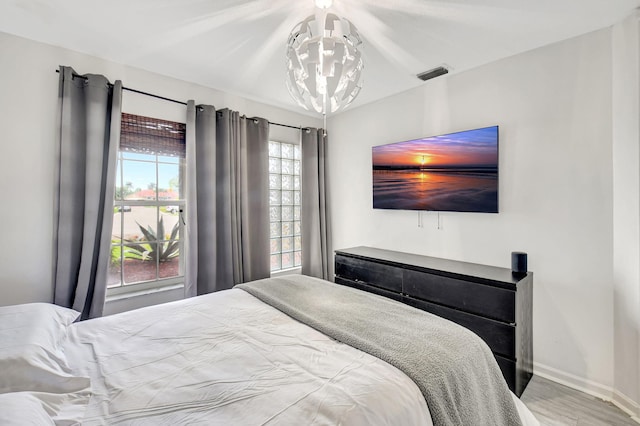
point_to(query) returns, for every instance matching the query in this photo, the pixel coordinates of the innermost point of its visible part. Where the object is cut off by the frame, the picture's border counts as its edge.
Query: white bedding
(229, 359)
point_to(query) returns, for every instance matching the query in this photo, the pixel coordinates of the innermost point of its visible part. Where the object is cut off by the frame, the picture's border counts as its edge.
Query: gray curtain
(316, 243)
(227, 199)
(88, 139)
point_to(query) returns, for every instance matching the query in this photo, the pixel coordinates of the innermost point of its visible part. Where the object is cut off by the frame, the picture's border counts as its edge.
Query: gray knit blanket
(455, 370)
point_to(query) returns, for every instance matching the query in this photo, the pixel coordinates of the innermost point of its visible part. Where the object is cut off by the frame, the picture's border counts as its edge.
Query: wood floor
(557, 405)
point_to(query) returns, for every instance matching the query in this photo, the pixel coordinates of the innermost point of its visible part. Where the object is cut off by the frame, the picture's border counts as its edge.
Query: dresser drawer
(485, 300)
(500, 337)
(508, 369)
(369, 289)
(375, 274)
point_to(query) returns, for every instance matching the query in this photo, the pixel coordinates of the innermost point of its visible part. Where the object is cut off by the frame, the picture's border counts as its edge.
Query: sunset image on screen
(453, 172)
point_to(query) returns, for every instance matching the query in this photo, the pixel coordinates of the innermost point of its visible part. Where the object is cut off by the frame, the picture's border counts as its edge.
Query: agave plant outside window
(154, 249)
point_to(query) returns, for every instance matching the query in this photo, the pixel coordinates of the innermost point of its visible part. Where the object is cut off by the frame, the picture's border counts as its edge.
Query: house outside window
(147, 247)
(284, 206)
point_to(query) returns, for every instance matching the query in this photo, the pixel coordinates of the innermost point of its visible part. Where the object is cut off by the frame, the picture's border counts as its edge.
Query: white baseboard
(592, 388)
(627, 405)
(573, 381)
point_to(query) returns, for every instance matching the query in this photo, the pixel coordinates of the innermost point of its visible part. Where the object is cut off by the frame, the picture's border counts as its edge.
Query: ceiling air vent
(436, 72)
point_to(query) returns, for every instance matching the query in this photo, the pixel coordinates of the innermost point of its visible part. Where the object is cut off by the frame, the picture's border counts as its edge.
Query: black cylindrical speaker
(519, 262)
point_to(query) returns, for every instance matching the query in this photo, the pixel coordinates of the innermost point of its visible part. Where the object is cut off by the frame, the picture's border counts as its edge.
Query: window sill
(291, 271)
(123, 295)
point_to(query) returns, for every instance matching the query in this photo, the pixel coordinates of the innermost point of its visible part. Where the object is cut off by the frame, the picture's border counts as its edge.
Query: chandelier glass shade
(324, 65)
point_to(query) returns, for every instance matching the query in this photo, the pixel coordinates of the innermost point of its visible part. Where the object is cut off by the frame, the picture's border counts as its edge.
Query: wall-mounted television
(453, 172)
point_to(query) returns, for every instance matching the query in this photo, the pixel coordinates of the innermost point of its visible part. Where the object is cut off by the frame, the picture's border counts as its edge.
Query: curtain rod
(177, 102)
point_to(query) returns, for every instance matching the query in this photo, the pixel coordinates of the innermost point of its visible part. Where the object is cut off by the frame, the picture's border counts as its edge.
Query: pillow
(21, 408)
(34, 408)
(30, 355)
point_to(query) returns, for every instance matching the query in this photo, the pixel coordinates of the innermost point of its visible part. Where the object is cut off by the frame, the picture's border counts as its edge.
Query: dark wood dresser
(492, 302)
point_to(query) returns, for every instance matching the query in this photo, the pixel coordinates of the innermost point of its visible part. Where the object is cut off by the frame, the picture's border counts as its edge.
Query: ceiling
(238, 46)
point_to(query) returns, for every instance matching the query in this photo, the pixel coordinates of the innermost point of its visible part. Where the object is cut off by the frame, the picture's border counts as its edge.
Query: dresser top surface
(435, 264)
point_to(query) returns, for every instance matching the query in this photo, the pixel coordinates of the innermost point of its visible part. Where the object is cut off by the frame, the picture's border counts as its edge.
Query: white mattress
(227, 358)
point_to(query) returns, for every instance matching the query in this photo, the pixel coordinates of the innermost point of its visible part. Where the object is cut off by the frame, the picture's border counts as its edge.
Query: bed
(268, 352)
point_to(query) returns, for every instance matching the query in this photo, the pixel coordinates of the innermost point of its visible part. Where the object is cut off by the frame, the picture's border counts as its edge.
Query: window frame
(294, 268)
(157, 283)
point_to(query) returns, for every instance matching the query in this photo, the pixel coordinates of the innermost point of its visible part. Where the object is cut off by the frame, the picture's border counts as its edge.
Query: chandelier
(324, 64)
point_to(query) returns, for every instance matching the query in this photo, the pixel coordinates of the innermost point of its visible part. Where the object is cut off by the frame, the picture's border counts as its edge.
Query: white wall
(28, 108)
(626, 211)
(553, 106)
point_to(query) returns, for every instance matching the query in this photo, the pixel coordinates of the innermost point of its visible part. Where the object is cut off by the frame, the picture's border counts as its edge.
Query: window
(146, 243)
(284, 205)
